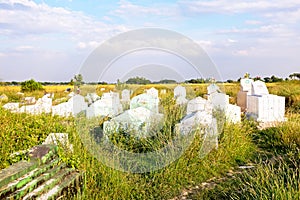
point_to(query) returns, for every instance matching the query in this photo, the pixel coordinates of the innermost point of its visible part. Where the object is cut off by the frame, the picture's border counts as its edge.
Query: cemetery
(141, 116)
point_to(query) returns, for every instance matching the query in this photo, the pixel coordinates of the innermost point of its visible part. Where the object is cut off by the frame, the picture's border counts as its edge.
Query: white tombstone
(64, 109)
(139, 121)
(78, 103)
(198, 104)
(146, 101)
(259, 88)
(246, 85)
(153, 92)
(266, 108)
(125, 95)
(212, 88)
(233, 113)
(246, 89)
(219, 100)
(181, 100)
(179, 91)
(92, 97)
(108, 105)
(13, 107)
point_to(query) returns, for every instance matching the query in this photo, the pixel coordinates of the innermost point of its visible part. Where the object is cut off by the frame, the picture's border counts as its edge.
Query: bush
(31, 85)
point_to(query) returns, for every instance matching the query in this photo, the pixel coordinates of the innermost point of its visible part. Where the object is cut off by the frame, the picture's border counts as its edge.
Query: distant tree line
(78, 80)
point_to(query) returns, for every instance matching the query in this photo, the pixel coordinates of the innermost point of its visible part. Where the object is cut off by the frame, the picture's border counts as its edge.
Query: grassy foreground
(275, 153)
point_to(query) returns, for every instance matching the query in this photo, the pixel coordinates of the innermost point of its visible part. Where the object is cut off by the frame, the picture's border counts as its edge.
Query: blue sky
(49, 40)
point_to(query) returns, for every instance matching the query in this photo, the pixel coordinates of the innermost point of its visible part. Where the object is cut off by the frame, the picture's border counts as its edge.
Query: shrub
(31, 85)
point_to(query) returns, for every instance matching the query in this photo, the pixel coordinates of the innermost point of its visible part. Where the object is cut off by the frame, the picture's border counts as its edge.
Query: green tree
(78, 80)
(138, 80)
(31, 85)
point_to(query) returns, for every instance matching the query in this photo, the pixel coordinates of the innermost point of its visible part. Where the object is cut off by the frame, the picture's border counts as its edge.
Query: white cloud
(227, 6)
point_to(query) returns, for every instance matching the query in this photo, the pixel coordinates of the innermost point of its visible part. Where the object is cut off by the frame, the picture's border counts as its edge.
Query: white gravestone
(212, 88)
(246, 89)
(146, 101)
(179, 91)
(204, 123)
(13, 107)
(259, 88)
(108, 105)
(219, 100)
(78, 103)
(64, 109)
(92, 97)
(59, 139)
(233, 113)
(125, 95)
(29, 100)
(198, 104)
(266, 108)
(140, 122)
(153, 92)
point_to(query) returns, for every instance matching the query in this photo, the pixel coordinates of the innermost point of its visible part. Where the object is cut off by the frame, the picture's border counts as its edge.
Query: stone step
(34, 183)
(69, 180)
(43, 177)
(23, 180)
(38, 155)
(49, 184)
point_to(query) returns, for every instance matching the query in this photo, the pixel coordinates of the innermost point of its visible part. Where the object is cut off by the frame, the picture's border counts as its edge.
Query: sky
(50, 40)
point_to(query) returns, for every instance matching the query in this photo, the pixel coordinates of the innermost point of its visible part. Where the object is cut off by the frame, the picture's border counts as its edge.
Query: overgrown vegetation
(30, 86)
(274, 152)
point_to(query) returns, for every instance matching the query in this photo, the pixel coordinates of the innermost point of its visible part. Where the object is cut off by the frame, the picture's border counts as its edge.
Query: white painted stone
(153, 92)
(146, 101)
(78, 103)
(179, 91)
(218, 100)
(233, 113)
(108, 105)
(212, 88)
(3, 98)
(13, 107)
(64, 109)
(180, 100)
(92, 97)
(246, 84)
(140, 121)
(163, 91)
(198, 104)
(125, 95)
(259, 88)
(266, 108)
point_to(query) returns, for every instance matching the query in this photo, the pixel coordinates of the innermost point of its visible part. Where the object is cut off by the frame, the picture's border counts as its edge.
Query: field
(274, 152)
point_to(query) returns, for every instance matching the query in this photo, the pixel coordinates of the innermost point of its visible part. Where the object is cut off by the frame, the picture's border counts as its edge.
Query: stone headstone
(198, 120)
(64, 109)
(246, 84)
(266, 108)
(13, 107)
(146, 101)
(219, 100)
(92, 97)
(198, 104)
(179, 91)
(140, 122)
(108, 105)
(181, 100)
(233, 113)
(242, 100)
(259, 88)
(153, 92)
(212, 88)
(125, 95)
(78, 103)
